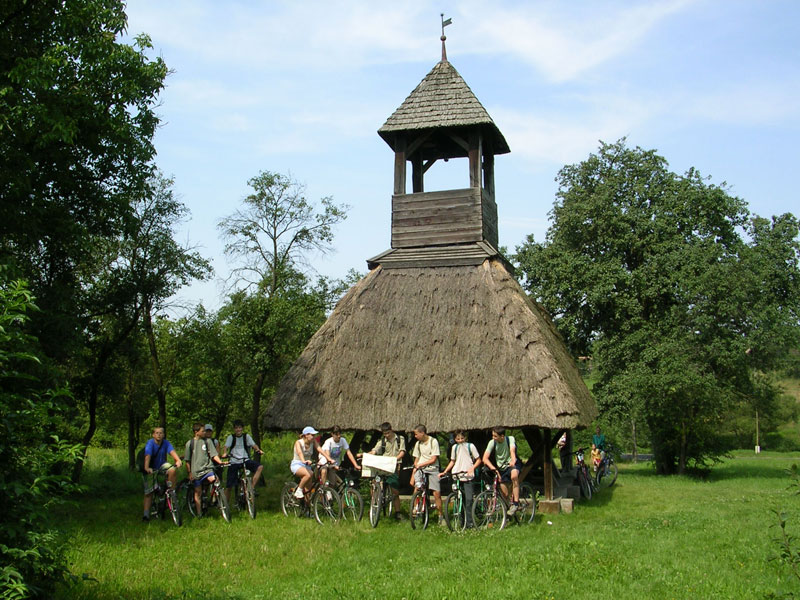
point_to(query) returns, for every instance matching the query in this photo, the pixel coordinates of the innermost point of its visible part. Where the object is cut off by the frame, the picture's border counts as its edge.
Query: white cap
(308, 430)
(209, 427)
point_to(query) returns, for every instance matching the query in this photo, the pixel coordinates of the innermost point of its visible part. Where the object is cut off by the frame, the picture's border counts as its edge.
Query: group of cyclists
(315, 462)
(201, 455)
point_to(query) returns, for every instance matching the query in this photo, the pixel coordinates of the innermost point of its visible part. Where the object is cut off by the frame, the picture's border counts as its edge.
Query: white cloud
(566, 43)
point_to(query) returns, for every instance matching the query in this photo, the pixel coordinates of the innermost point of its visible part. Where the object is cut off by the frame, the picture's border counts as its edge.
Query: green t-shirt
(202, 453)
(502, 451)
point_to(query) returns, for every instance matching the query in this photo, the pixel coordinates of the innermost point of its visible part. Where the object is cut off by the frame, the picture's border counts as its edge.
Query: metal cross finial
(445, 23)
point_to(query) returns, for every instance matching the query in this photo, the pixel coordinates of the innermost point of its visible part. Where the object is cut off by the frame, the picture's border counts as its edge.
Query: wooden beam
(417, 172)
(428, 164)
(418, 141)
(547, 463)
(474, 154)
(400, 167)
(459, 140)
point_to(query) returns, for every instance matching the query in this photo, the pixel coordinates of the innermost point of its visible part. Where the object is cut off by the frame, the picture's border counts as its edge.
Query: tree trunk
(635, 449)
(255, 418)
(682, 457)
(158, 378)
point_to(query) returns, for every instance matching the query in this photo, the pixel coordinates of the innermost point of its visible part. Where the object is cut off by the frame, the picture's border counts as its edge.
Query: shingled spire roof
(442, 100)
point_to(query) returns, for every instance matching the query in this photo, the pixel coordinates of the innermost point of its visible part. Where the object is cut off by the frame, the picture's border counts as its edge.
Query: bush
(32, 558)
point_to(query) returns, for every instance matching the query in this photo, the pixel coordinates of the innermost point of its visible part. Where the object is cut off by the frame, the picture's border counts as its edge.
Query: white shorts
(296, 465)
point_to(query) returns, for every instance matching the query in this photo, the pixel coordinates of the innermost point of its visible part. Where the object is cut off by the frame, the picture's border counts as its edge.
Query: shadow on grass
(95, 590)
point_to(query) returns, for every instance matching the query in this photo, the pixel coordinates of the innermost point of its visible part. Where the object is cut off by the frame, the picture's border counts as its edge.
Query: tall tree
(650, 272)
(272, 237)
(76, 126)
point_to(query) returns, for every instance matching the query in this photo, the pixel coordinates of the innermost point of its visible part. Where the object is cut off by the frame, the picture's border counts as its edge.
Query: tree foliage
(76, 126)
(31, 553)
(675, 291)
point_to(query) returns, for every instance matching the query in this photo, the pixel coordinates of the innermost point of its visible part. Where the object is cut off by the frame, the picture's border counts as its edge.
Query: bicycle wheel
(352, 505)
(222, 503)
(527, 504)
(607, 474)
(291, 505)
(419, 510)
(455, 513)
(250, 497)
(327, 505)
(190, 500)
(583, 482)
(174, 507)
(375, 502)
(489, 511)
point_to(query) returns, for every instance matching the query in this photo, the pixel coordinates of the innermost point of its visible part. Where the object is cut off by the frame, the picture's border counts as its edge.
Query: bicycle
(245, 492)
(214, 497)
(421, 503)
(606, 474)
(324, 501)
(381, 498)
(352, 502)
(455, 508)
(489, 507)
(585, 480)
(165, 498)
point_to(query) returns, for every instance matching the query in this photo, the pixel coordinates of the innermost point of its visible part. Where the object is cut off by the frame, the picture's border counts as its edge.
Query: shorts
(149, 479)
(333, 477)
(296, 465)
(198, 481)
(232, 479)
(433, 480)
(505, 474)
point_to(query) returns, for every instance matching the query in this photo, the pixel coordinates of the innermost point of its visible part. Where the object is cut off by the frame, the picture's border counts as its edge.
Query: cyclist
(391, 444)
(505, 453)
(155, 457)
(599, 440)
(464, 459)
(335, 446)
(301, 461)
(426, 464)
(201, 456)
(238, 447)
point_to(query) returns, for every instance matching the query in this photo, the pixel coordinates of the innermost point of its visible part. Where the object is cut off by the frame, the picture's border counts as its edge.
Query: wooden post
(475, 159)
(547, 464)
(400, 167)
(417, 171)
(488, 173)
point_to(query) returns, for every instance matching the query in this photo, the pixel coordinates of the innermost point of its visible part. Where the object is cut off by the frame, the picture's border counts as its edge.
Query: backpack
(140, 458)
(191, 448)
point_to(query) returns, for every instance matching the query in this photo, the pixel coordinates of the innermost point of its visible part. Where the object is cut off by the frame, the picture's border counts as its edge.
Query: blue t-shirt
(157, 457)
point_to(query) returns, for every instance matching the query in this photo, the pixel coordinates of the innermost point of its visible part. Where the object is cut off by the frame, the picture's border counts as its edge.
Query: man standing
(392, 445)
(426, 464)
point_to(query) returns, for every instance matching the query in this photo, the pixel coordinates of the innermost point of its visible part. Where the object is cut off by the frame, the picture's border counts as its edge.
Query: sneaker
(298, 493)
(442, 522)
(145, 518)
(398, 517)
(512, 510)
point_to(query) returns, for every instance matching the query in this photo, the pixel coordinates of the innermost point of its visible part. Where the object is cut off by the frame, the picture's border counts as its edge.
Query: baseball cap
(307, 430)
(209, 427)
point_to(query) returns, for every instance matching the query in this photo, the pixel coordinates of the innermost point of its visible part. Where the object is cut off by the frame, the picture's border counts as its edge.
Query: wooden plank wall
(443, 217)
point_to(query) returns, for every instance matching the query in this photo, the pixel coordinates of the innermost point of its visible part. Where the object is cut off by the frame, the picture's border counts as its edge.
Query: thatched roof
(448, 347)
(442, 100)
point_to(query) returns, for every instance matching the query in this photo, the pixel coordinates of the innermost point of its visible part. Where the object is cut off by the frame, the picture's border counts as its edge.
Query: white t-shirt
(236, 452)
(336, 450)
(464, 454)
(424, 451)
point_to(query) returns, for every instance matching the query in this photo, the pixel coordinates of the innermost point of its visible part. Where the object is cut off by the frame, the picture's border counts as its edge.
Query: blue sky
(302, 87)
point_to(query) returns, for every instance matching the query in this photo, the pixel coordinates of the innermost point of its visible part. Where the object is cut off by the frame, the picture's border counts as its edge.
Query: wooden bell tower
(442, 120)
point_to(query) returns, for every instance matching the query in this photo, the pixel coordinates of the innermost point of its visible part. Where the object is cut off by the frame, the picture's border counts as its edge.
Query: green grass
(647, 537)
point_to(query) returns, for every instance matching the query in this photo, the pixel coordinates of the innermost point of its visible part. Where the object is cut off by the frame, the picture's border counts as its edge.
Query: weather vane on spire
(445, 23)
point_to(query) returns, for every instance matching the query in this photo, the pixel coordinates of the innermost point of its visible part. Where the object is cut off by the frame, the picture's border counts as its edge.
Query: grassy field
(647, 537)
